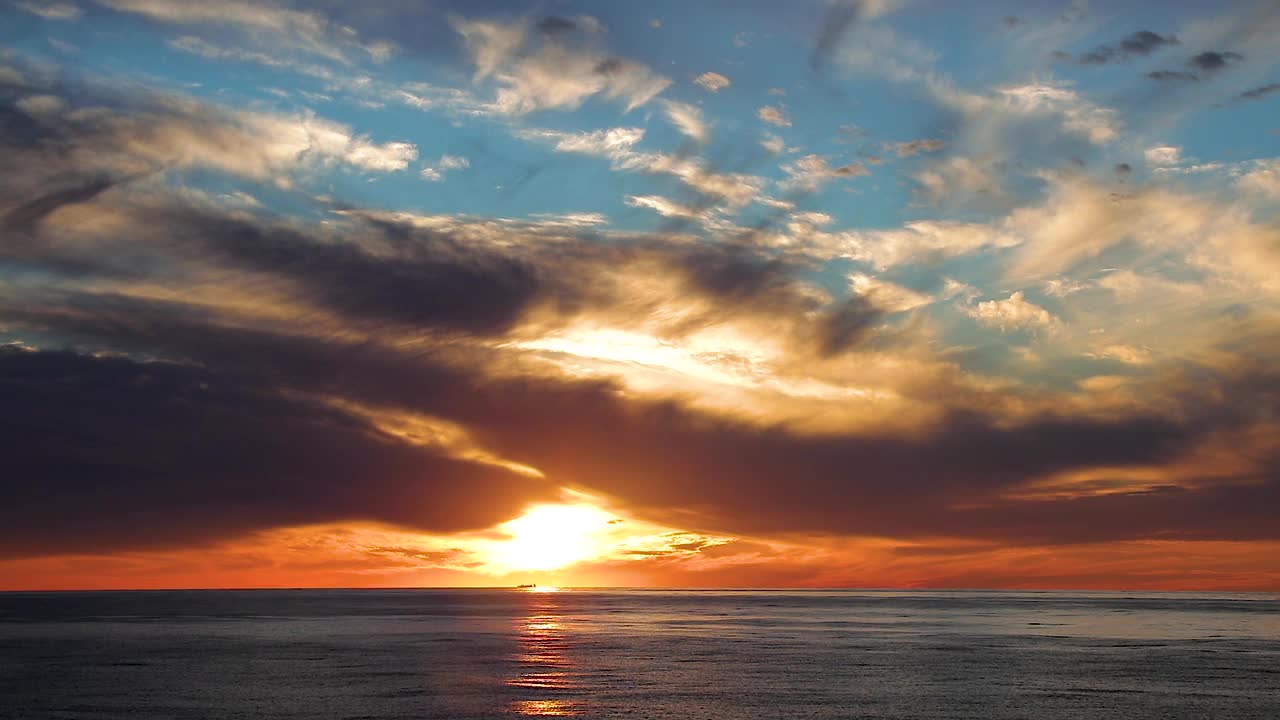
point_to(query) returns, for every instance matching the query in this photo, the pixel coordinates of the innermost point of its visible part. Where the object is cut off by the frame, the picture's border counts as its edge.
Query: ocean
(715, 655)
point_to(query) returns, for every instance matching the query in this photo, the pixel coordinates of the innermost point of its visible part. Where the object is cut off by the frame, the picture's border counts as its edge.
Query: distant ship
(525, 587)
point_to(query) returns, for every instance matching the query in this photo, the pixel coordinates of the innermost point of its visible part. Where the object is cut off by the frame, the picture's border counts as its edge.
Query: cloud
(915, 147)
(617, 145)
(268, 24)
(774, 115)
(957, 177)
(1097, 124)
(1012, 313)
(920, 241)
(191, 455)
(541, 72)
(664, 207)
(811, 172)
(1081, 220)
(687, 119)
(1211, 61)
(886, 295)
(210, 51)
(1258, 93)
(840, 19)
(153, 132)
(436, 173)
(1163, 155)
(352, 365)
(1172, 76)
(712, 81)
(1205, 65)
(1140, 43)
(1263, 181)
(51, 10)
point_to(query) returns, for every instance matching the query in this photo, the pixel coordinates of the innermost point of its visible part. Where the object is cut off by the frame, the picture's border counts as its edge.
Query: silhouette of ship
(526, 587)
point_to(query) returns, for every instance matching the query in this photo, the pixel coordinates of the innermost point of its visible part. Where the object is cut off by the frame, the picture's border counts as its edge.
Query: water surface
(717, 655)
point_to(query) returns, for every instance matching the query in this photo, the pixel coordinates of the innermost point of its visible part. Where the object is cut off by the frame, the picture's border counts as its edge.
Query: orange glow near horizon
(549, 537)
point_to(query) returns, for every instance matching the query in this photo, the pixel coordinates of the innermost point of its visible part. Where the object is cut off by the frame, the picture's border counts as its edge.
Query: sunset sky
(879, 293)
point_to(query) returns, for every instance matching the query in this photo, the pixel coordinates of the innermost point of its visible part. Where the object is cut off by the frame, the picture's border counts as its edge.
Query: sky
(847, 293)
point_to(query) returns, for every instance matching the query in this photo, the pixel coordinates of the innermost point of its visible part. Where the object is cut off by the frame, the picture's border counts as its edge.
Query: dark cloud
(840, 19)
(915, 147)
(106, 452)
(1172, 75)
(554, 25)
(656, 455)
(846, 325)
(1140, 43)
(1258, 93)
(26, 216)
(1213, 61)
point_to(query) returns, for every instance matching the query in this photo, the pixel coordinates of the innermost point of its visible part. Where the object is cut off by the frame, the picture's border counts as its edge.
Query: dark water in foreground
(638, 654)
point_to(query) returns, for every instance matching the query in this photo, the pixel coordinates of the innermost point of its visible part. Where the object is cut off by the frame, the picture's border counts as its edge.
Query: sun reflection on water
(545, 666)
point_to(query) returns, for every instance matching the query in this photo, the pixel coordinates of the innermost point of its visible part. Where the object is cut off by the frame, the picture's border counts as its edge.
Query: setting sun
(548, 537)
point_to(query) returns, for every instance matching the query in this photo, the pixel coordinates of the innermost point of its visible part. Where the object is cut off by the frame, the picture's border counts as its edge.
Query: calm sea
(721, 655)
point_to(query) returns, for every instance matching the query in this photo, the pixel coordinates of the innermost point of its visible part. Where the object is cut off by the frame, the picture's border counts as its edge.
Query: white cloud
(492, 45)
(687, 119)
(1163, 155)
(1013, 313)
(773, 143)
(957, 177)
(536, 72)
(617, 145)
(663, 206)
(454, 162)
(888, 296)
(177, 132)
(436, 173)
(914, 242)
(810, 172)
(712, 81)
(1264, 181)
(1097, 124)
(387, 157)
(277, 26)
(51, 10)
(209, 51)
(774, 115)
(612, 142)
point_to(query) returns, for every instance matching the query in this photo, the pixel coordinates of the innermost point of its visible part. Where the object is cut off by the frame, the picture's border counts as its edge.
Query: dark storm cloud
(104, 452)
(1140, 43)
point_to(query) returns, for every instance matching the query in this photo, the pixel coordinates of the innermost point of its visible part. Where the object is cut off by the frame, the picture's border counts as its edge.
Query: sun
(548, 537)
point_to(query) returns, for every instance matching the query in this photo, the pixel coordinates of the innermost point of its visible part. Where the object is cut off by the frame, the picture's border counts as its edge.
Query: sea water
(717, 654)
